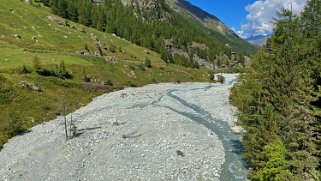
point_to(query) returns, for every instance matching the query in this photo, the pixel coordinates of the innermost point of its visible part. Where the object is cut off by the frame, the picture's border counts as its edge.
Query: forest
(279, 100)
(145, 29)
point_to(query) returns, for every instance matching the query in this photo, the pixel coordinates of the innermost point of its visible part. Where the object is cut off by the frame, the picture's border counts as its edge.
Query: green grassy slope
(21, 108)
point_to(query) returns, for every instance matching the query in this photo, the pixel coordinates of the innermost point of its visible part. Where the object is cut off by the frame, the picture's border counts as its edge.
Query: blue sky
(231, 12)
(248, 17)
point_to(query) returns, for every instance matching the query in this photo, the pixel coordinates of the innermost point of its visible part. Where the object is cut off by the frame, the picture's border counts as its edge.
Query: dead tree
(64, 107)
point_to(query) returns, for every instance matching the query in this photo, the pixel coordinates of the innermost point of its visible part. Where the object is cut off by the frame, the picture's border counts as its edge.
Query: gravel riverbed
(132, 134)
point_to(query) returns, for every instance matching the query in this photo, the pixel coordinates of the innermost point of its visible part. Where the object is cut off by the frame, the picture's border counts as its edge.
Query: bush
(87, 78)
(212, 76)
(24, 70)
(36, 64)
(46, 72)
(86, 48)
(109, 82)
(112, 49)
(14, 125)
(148, 63)
(221, 79)
(62, 71)
(141, 67)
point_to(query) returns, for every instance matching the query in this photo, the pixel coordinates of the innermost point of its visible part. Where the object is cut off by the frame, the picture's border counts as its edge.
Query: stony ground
(133, 134)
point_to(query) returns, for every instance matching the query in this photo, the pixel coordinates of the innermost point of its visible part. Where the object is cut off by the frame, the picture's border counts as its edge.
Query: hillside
(155, 25)
(66, 65)
(211, 22)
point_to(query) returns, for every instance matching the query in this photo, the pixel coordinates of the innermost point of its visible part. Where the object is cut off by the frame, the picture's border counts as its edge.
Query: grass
(22, 108)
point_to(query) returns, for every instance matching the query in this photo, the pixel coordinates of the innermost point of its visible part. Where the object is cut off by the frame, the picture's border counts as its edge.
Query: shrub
(36, 64)
(87, 78)
(86, 48)
(112, 49)
(46, 72)
(14, 125)
(62, 71)
(141, 67)
(24, 70)
(109, 82)
(148, 63)
(212, 76)
(220, 78)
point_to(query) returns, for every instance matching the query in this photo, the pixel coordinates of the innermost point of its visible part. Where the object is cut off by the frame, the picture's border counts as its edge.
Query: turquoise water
(234, 168)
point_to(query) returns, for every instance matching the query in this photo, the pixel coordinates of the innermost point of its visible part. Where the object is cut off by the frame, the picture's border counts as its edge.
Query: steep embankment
(157, 132)
(31, 33)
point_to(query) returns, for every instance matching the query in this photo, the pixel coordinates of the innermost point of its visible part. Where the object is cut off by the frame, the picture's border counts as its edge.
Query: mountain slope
(212, 22)
(36, 46)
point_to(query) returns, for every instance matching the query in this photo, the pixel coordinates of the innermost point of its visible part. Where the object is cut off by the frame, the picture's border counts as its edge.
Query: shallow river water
(136, 134)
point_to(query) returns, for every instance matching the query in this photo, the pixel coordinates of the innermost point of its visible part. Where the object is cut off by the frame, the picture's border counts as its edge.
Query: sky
(248, 17)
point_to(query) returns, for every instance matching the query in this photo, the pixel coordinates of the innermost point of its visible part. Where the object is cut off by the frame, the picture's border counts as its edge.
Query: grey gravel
(133, 134)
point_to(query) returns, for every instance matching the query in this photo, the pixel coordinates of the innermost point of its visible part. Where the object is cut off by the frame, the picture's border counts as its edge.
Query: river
(156, 132)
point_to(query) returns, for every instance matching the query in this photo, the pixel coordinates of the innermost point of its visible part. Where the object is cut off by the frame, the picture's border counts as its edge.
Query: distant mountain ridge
(259, 40)
(208, 20)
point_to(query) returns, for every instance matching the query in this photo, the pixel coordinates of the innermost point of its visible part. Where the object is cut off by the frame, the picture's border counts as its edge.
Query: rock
(84, 52)
(30, 86)
(132, 74)
(238, 130)
(95, 38)
(57, 21)
(111, 60)
(35, 88)
(83, 30)
(98, 54)
(18, 37)
(180, 153)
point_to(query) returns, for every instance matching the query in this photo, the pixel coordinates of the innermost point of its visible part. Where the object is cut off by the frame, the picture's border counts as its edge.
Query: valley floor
(157, 132)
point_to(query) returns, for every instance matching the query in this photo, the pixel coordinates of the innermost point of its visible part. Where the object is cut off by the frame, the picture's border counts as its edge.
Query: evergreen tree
(72, 11)
(283, 104)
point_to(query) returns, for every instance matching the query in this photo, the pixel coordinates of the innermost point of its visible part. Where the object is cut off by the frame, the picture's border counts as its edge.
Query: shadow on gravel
(89, 129)
(82, 131)
(24, 132)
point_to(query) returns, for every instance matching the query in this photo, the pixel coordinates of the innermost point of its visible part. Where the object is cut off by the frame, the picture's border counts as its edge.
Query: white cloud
(240, 33)
(261, 14)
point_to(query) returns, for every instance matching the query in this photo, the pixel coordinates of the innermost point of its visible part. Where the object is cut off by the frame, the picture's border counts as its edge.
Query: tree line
(279, 100)
(113, 17)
